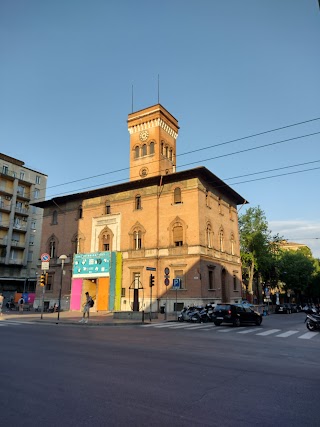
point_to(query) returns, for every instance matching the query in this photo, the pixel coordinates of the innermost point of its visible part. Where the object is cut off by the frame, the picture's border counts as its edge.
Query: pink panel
(31, 298)
(76, 291)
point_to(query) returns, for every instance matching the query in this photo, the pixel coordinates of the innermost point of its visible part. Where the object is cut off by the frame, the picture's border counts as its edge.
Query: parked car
(235, 314)
(283, 308)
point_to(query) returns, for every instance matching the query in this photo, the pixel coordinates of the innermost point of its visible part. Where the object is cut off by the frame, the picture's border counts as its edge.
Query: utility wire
(196, 150)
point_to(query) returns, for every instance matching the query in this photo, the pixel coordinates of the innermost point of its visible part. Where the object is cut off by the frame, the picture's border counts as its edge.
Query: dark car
(235, 314)
(283, 308)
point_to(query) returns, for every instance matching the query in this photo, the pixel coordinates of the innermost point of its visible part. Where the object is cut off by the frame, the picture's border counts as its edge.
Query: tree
(258, 250)
(297, 269)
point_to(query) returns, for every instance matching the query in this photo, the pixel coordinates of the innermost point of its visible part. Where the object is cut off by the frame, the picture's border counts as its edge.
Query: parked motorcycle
(313, 322)
(193, 314)
(200, 315)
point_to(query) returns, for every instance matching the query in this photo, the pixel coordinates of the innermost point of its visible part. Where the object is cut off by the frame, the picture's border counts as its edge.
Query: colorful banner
(95, 264)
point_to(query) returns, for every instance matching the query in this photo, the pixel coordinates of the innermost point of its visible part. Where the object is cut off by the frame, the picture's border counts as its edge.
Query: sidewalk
(73, 317)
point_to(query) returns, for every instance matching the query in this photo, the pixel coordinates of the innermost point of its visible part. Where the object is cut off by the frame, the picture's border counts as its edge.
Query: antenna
(159, 88)
(132, 98)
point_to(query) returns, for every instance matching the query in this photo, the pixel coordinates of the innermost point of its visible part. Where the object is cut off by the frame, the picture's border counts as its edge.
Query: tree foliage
(263, 261)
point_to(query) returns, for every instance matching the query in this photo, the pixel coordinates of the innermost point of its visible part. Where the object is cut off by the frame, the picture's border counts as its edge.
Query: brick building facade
(184, 223)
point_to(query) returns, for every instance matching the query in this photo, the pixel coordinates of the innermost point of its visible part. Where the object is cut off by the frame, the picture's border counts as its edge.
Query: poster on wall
(96, 264)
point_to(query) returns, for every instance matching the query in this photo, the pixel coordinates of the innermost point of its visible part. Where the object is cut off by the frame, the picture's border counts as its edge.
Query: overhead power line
(199, 149)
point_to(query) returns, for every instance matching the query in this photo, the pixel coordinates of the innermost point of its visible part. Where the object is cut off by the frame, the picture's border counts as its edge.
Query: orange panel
(103, 294)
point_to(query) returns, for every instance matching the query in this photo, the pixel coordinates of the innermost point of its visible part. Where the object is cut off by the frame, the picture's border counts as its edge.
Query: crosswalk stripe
(241, 330)
(269, 332)
(308, 335)
(287, 334)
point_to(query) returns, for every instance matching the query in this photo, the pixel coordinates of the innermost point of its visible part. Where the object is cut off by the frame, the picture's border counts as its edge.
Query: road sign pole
(150, 303)
(42, 304)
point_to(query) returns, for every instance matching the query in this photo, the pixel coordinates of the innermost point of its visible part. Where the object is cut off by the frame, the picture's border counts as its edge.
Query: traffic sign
(45, 265)
(151, 268)
(176, 284)
(167, 271)
(166, 281)
(45, 257)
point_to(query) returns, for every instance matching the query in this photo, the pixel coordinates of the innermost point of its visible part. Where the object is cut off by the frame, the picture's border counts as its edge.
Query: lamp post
(62, 259)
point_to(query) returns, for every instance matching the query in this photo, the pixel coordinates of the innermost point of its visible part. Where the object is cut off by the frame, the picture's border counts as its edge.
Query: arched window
(232, 244)
(177, 195)
(162, 148)
(138, 202)
(136, 152)
(171, 155)
(52, 248)
(151, 148)
(54, 217)
(221, 241)
(207, 199)
(106, 242)
(144, 149)
(166, 151)
(137, 244)
(108, 207)
(209, 236)
(178, 235)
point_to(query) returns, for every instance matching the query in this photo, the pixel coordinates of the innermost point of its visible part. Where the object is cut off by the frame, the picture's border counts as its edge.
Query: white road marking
(308, 335)
(247, 331)
(287, 334)
(269, 332)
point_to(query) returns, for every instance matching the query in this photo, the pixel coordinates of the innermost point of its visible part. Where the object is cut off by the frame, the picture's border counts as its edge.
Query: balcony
(20, 227)
(5, 206)
(3, 241)
(22, 211)
(17, 244)
(4, 224)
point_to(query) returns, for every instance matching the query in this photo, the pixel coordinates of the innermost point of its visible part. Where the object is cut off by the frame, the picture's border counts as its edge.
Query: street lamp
(62, 259)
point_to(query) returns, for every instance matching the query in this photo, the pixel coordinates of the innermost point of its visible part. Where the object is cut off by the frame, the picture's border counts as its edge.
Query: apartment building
(20, 225)
(181, 227)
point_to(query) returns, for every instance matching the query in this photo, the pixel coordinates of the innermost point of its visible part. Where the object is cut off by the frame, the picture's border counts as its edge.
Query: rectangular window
(123, 292)
(5, 170)
(21, 190)
(30, 256)
(49, 283)
(138, 202)
(136, 280)
(38, 179)
(178, 274)
(15, 237)
(36, 193)
(211, 279)
(178, 236)
(21, 175)
(234, 282)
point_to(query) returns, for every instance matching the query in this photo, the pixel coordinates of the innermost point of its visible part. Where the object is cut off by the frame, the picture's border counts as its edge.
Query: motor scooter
(313, 322)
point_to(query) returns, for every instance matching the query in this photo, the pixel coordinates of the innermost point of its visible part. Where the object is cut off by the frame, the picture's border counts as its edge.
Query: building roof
(200, 172)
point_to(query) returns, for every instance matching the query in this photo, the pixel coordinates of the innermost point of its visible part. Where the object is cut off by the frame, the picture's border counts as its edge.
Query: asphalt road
(75, 375)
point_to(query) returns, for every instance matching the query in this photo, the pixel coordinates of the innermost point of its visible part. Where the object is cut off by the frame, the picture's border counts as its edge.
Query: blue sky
(226, 70)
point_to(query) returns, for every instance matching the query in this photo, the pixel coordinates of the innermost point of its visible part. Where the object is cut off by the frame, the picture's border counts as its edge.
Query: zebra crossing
(278, 333)
(6, 323)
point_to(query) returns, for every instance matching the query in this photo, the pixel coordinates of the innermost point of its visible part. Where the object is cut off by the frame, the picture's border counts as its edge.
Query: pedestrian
(1, 303)
(21, 304)
(86, 308)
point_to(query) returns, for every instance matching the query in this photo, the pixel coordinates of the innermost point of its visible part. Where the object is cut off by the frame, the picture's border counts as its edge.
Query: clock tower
(153, 134)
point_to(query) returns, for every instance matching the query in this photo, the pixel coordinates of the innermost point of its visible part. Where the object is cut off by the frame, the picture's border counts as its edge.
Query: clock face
(143, 172)
(144, 135)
